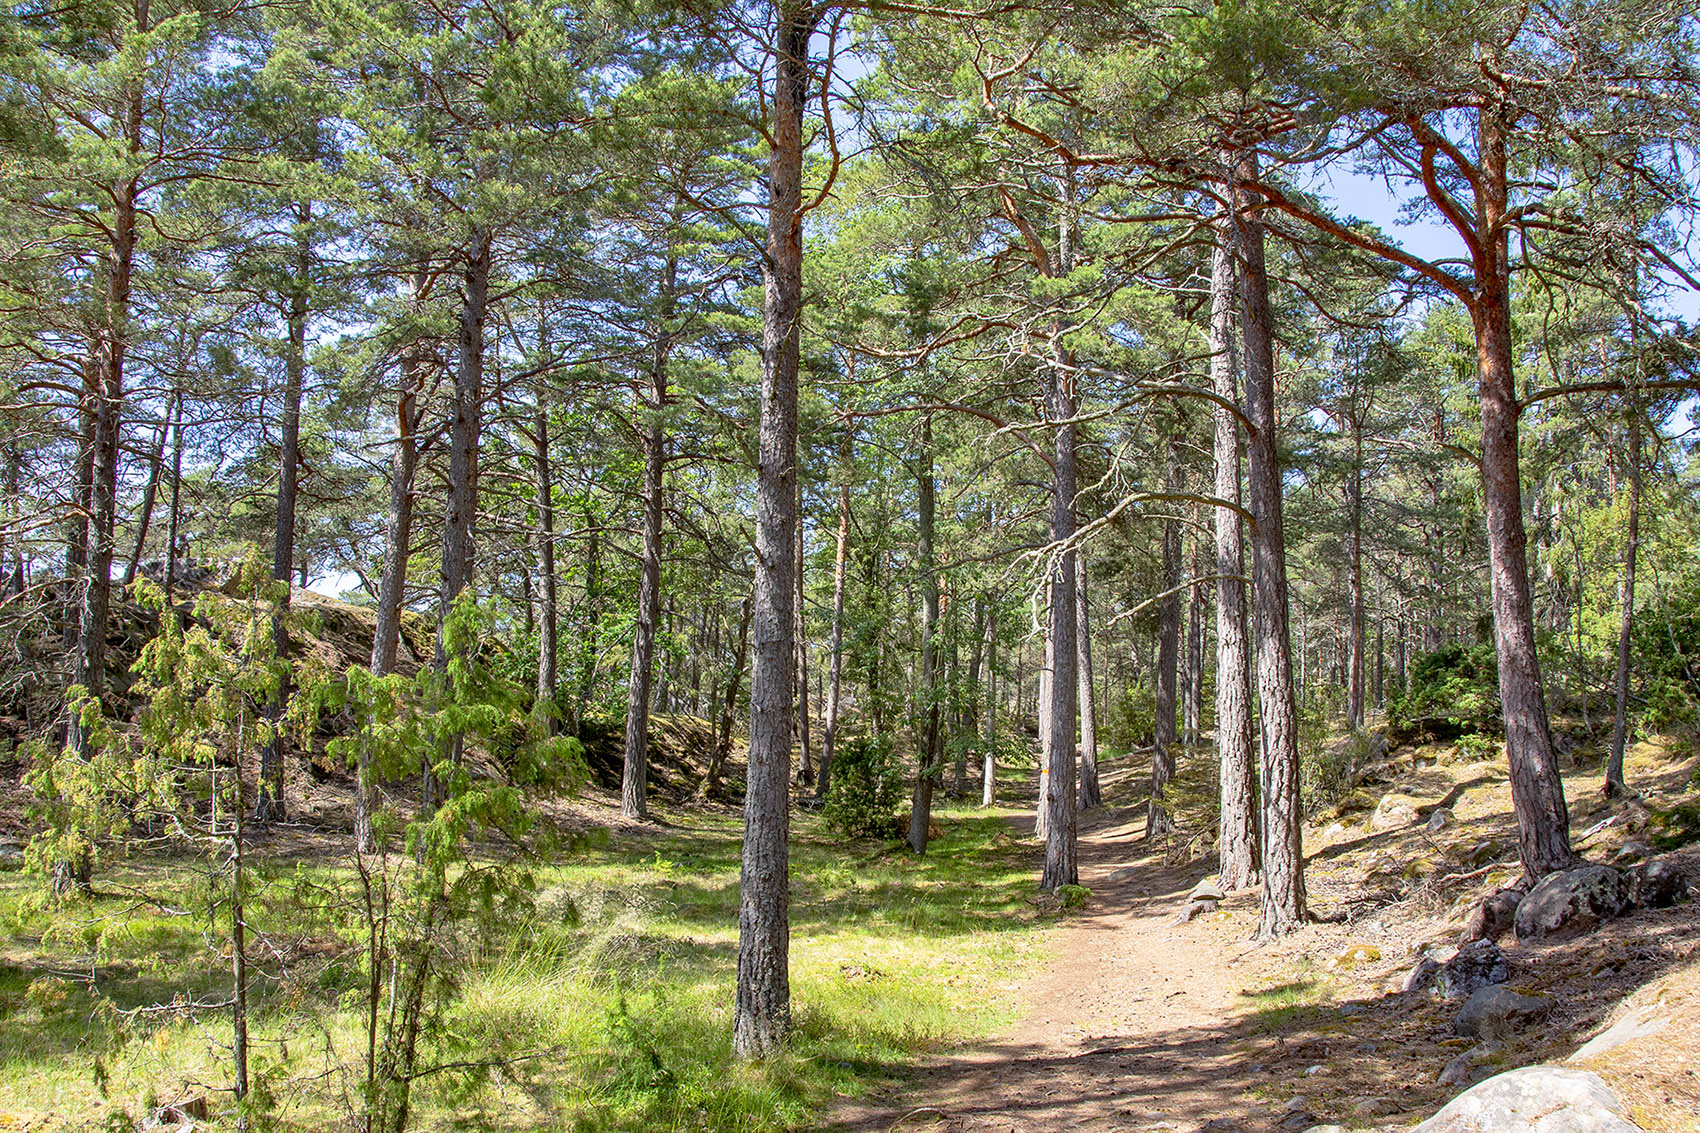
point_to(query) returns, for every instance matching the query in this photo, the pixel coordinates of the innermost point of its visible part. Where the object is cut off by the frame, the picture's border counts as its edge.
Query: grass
(604, 1005)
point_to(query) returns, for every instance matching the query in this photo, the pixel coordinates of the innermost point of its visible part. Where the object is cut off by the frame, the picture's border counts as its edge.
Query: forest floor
(1140, 1022)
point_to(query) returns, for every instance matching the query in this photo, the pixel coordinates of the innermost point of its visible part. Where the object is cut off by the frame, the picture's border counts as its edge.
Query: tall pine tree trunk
(1237, 844)
(1283, 859)
(1537, 793)
(761, 1022)
(460, 519)
(1058, 800)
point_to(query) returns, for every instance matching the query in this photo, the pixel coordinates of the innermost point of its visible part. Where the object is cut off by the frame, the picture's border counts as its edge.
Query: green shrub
(1451, 692)
(866, 788)
(1132, 721)
(1665, 643)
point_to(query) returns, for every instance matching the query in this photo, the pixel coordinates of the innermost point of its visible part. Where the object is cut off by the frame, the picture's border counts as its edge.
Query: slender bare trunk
(805, 740)
(144, 514)
(634, 780)
(1283, 859)
(1238, 840)
(1091, 794)
(989, 761)
(548, 600)
(926, 773)
(1157, 819)
(1615, 783)
(269, 805)
(1355, 579)
(840, 565)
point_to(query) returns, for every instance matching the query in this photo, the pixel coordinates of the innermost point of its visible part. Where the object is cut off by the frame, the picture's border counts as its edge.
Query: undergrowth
(606, 1006)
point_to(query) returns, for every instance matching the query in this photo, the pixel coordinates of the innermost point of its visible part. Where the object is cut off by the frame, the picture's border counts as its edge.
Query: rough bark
(459, 521)
(1238, 841)
(1283, 860)
(1537, 793)
(1061, 866)
(761, 1022)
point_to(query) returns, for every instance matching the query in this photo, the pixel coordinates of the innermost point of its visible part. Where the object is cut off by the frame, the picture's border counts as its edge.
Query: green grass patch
(604, 1005)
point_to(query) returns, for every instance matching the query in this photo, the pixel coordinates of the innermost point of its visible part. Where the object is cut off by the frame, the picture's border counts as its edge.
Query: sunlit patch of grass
(606, 1006)
(1283, 1007)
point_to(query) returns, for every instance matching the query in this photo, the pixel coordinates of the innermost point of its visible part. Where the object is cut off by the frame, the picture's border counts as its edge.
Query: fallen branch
(933, 1110)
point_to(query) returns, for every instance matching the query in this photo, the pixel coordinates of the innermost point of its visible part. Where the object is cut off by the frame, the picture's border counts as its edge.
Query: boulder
(1572, 901)
(1438, 819)
(1497, 1012)
(1393, 812)
(1641, 1023)
(1494, 916)
(1477, 965)
(1657, 884)
(1535, 1099)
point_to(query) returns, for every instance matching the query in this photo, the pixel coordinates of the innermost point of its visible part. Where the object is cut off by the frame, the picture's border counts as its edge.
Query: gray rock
(1572, 902)
(1632, 853)
(1393, 812)
(1206, 890)
(1657, 884)
(1535, 1099)
(1497, 1012)
(11, 856)
(1422, 976)
(1477, 965)
(1494, 916)
(1640, 1023)
(1438, 819)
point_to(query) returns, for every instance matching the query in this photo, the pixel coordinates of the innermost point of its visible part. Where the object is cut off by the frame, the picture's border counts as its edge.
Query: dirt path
(1132, 1025)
